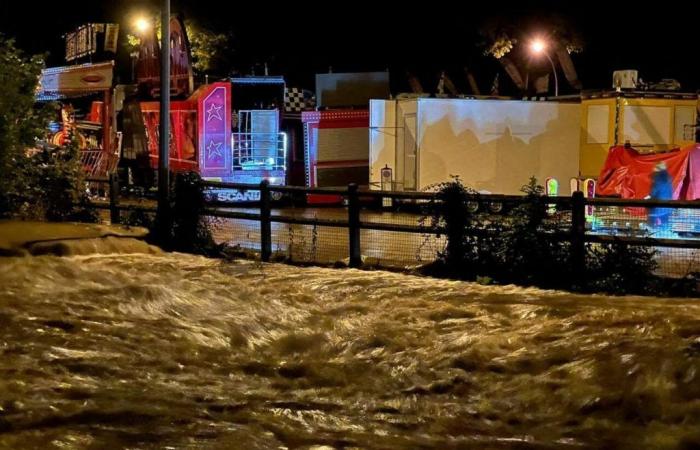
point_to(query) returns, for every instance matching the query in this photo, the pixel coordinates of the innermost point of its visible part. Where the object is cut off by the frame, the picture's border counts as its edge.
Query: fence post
(578, 231)
(114, 198)
(265, 223)
(354, 226)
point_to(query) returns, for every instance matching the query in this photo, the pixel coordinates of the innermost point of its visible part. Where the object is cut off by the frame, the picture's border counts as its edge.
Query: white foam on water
(173, 350)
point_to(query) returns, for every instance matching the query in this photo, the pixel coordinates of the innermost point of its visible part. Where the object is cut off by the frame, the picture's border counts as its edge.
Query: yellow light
(538, 46)
(142, 24)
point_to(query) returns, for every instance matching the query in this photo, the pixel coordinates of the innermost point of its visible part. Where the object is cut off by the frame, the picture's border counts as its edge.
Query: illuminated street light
(539, 47)
(142, 25)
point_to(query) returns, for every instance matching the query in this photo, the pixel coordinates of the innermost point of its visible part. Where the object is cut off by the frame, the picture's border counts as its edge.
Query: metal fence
(390, 229)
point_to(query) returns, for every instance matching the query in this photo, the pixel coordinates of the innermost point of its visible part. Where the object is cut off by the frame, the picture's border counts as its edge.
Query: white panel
(497, 145)
(684, 120)
(405, 131)
(647, 125)
(382, 139)
(597, 124)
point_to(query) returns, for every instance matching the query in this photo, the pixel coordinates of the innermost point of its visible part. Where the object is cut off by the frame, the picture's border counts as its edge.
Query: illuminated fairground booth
(651, 122)
(227, 131)
(337, 147)
(259, 148)
(84, 93)
(183, 145)
(240, 139)
(336, 138)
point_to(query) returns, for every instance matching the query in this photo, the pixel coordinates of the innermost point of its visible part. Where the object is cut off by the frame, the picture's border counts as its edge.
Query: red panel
(315, 120)
(337, 118)
(183, 134)
(214, 109)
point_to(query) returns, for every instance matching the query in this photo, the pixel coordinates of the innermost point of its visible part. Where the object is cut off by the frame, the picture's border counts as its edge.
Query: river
(174, 351)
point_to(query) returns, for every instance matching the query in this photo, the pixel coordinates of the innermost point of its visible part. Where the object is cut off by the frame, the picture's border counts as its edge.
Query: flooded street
(177, 351)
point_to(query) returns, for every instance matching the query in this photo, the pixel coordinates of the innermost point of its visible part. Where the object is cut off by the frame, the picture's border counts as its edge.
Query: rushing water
(176, 351)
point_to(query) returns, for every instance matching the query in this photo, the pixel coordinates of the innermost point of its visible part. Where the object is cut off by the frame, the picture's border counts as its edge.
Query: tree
(210, 51)
(20, 123)
(36, 183)
(507, 39)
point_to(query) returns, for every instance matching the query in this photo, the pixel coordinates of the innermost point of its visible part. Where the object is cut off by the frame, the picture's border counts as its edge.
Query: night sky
(300, 39)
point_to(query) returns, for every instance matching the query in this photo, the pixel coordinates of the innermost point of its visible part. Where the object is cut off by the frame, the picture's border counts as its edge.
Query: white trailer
(492, 145)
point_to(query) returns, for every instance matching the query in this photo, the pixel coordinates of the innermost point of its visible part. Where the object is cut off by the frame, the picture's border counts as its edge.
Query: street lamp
(141, 24)
(163, 213)
(539, 47)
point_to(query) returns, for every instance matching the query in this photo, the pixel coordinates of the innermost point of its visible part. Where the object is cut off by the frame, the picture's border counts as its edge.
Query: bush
(464, 255)
(619, 268)
(523, 247)
(41, 183)
(187, 229)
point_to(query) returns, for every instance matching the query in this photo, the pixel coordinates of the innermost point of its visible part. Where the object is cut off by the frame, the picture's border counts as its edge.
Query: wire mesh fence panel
(313, 244)
(398, 249)
(677, 262)
(643, 221)
(620, 221)
(103, 216)
(97, 190)
(677, 227)
(236, 233)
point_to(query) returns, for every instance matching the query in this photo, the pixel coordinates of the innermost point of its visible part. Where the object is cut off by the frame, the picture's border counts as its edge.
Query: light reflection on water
(156, 351)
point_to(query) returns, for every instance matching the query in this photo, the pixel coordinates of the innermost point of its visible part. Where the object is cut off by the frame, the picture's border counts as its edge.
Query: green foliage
(620, 268)
(526, 246)
(189, 229)
(473, 246)
(20, 123)
(139, 218)
(208, 49)
(35, 183)
(530, 253)
(132, 43)
(502, 34)
(500, 46)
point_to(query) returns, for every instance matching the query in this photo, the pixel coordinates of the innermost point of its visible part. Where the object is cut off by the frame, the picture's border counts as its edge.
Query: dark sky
(298, 39)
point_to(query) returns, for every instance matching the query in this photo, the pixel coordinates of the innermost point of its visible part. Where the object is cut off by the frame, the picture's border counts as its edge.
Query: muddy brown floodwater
(183, 352)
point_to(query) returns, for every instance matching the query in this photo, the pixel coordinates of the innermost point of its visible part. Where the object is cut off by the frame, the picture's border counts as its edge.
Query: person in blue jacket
(661, 189)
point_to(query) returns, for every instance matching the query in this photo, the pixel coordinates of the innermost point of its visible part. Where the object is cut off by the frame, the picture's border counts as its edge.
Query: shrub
(525, 247)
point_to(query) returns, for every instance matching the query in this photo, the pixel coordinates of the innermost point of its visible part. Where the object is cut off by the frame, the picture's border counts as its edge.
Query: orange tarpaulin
(628, 174)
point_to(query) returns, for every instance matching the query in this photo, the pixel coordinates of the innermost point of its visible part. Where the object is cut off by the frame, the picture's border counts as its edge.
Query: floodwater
(175, 351)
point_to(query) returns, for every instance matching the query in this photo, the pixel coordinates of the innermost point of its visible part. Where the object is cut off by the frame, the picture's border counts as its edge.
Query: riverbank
(20, 238)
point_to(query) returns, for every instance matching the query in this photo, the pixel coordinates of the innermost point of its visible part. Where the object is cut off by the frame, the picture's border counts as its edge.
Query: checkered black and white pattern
(298, 100)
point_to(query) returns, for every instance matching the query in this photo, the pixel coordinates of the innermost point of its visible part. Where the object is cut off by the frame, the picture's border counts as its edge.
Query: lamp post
(163, 212)
(539, 47)
(141, 25)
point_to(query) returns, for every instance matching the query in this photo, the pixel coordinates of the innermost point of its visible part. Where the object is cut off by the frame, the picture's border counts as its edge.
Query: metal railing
(259, 151)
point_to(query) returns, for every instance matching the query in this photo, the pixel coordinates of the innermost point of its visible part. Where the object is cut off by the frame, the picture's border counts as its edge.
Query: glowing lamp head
(538, 46)
(142, 24)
